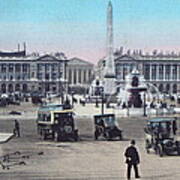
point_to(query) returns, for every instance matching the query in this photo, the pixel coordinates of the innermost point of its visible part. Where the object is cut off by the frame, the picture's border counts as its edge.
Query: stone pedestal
(109, 86)
(135, 100)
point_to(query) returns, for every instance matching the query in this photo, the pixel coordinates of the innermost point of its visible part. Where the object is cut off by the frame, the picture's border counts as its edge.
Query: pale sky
(78, 27)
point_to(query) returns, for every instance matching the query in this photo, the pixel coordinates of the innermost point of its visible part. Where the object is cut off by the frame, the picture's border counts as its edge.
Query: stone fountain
(133, 91)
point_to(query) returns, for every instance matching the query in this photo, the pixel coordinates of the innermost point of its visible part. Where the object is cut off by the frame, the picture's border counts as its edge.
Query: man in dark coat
(16, 128)
(132, 159)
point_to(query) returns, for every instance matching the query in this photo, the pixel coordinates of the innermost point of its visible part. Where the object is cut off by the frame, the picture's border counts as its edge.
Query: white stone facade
(79, 73)
(162, 71)
(29, 73)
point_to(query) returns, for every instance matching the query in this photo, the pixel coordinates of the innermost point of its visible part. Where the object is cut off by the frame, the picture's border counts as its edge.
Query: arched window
(175, 88)
(17, 87)
(25, 88)
(10, 88)
(167, 88)
(3, 88)
(161, 89)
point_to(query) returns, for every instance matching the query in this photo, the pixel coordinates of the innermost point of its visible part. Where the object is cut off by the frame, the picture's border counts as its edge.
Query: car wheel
(107, 136)
(147, 146)
(178, 151)
(160, 151)
(178, 147)
(43, 135)
(76, 137)
(147, 150)
(120, 137)
(96, 135)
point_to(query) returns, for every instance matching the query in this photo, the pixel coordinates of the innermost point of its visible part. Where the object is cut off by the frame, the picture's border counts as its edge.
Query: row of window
(15, 77)
(24, 88)
(48, 76)
(26, 67)
(14, 67)
(25, 76)
(10, 88)
(47, 67)
(160, 72)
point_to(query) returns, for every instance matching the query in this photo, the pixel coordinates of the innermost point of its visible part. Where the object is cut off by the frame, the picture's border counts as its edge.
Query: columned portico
(80, 74)
(163, 71)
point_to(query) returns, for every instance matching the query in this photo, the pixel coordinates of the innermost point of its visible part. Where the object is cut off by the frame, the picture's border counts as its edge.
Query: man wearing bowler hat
(132, 159)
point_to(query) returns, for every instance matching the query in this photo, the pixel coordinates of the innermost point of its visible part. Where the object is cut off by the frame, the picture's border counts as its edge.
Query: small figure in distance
(132, 159)
(16, 128)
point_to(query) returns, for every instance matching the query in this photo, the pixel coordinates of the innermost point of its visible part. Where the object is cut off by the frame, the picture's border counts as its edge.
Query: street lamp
(72, 95)
(145, 104)
(102, 101)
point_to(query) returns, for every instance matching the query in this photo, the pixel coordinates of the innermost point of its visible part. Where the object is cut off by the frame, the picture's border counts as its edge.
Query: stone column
(150, 72)
(64, 71)
(67, 74)
(80, 80)
(164, 70)
(7, 73)
(72, 76)
(77, 76)
(50, 72)
(87, 76)
(76, 80)
(21, 72)
(82, 76)
(120, 68)
(157, 72)
(15, 71)
(171, 88)
(178, 72)
(171, 75)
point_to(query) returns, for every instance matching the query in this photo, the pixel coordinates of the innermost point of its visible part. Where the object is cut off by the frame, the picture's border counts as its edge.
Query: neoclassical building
(46, 73)
(163, 71)
(25, 73)
(79, 74)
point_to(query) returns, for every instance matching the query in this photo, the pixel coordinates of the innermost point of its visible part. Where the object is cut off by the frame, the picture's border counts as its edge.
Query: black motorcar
(161, 136)
(106, 126)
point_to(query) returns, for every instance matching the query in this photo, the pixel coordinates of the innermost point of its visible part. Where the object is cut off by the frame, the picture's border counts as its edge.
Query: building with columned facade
(161, 70)
(25, 73)
(46, 73)
(79, 74)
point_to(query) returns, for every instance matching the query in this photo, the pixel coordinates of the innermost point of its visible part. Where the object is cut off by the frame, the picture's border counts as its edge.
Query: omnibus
(57, 123)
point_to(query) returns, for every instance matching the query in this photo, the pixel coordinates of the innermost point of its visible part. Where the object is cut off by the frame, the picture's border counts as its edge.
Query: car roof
(52, 107)
(161, 119)
(103, 115)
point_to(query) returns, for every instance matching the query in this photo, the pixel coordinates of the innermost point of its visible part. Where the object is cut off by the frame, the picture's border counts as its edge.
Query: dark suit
(132, 159)
(17, 128)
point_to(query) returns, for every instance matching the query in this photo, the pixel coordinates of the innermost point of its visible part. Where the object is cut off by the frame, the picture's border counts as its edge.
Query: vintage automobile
(57, 123)
(106, 126)
(161, 136)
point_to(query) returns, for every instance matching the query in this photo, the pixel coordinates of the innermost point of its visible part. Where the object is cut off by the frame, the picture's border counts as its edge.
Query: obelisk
(109, 71)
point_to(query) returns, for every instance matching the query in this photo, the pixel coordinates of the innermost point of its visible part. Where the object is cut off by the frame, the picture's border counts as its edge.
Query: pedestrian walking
(132, 159)
(16, 128)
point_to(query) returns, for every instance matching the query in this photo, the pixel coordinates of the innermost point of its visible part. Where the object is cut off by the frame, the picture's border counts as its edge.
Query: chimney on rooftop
(24, 47)
(18, 47)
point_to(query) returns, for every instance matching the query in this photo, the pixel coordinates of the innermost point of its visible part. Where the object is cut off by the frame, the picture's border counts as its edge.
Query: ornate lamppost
(145, 104)
(102, 101)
